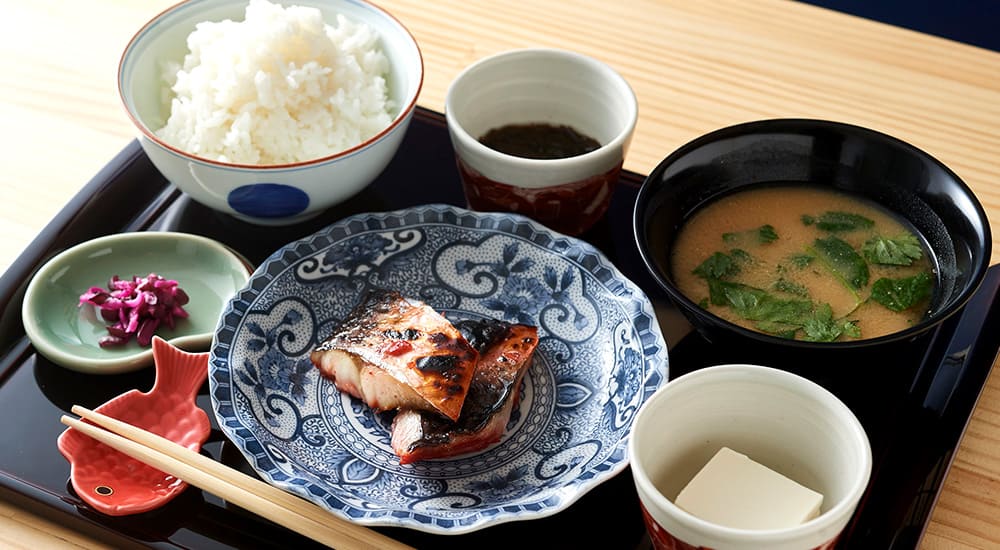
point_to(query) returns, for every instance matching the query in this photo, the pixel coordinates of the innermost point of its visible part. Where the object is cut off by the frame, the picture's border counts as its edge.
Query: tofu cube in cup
(778, 419)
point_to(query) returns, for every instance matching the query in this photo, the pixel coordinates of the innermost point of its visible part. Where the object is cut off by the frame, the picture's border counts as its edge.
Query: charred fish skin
(393, 352)
(506, 351)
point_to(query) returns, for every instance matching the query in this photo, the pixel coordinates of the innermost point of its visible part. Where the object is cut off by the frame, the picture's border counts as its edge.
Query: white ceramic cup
(546, 86)
(779, 419)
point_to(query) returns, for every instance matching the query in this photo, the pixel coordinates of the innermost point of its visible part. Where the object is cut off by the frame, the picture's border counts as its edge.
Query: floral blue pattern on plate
(600, 355)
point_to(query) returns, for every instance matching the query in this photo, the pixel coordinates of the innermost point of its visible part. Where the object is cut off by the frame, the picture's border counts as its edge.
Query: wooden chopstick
(242, 490)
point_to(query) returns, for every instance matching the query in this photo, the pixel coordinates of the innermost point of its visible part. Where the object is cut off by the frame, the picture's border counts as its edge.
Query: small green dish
(67, 333)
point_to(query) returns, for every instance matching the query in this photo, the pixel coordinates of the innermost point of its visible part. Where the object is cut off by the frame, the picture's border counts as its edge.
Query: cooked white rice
(281, 86)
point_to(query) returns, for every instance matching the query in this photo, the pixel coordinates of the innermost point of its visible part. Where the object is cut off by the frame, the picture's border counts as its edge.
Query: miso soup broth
(804, 262)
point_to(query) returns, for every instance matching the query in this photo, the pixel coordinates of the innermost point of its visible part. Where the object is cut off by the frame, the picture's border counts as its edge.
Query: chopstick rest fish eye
(236, 487)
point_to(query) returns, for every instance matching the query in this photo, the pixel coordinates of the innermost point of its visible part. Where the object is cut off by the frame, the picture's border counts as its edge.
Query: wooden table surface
(695, 66)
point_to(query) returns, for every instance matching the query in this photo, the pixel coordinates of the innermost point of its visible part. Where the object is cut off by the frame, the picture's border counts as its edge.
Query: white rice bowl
(282, 86)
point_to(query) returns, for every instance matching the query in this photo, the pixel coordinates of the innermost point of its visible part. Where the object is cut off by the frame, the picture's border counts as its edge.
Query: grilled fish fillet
(393, 352)
(506, 351)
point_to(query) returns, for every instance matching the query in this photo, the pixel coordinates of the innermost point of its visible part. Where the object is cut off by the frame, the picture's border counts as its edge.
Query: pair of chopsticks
(249, 493)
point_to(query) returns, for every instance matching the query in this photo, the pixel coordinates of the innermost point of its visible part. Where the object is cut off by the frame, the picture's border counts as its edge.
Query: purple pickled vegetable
(137, 306)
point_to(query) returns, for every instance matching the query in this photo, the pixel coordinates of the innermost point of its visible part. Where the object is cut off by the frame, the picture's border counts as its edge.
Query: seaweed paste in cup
(541, 132)
(787, 445)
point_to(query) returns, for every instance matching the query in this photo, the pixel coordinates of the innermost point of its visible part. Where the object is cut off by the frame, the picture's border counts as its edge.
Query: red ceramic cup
(547, 87)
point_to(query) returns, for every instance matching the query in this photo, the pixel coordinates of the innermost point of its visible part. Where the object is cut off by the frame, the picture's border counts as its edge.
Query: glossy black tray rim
(102, 207)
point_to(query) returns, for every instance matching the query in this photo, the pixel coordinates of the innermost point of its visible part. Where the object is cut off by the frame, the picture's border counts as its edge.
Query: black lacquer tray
(914, 400)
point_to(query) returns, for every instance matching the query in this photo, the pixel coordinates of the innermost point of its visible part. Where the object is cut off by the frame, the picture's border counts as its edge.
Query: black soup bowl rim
(650, 187)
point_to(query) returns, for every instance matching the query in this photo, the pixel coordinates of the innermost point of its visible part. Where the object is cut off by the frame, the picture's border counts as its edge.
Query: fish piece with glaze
(506, 351)
(394, 352)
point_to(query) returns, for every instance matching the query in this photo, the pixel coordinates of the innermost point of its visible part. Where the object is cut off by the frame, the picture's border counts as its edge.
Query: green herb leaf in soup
(843, 261)
(822, 327)
(782, 317)
(801, 261)
(717, 266)
(904, 293)
(761, 235)
(789, 287)
(767, 234)
(838, 221)
(758, 305)
(901, 250)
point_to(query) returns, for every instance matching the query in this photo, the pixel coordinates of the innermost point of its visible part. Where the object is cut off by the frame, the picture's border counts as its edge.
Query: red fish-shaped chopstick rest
(116, 484)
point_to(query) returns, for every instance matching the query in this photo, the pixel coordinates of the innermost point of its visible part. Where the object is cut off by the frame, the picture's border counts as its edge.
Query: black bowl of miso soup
(810, 234)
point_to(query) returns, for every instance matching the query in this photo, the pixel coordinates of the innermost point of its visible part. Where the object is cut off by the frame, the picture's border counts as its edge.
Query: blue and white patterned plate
(600, 355)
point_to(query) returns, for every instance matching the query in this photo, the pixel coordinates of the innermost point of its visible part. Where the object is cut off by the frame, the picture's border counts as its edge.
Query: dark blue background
(975, 22)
